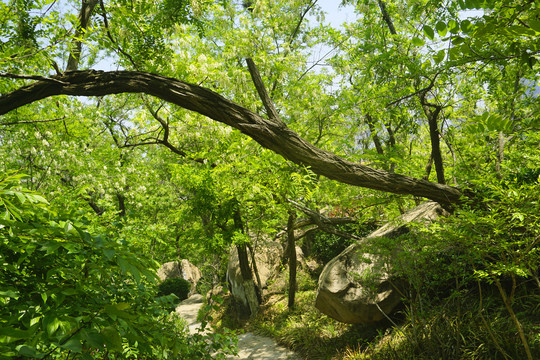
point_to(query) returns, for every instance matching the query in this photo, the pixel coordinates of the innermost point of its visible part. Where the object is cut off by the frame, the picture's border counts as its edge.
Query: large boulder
(268, 260)
(180, 269)
(344, 293)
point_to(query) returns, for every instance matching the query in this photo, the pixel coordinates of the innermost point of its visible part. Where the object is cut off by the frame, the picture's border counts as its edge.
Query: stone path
(250, 346)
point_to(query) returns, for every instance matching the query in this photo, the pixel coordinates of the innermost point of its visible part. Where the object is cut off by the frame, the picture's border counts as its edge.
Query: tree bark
(271, 134)
(247, 280)
(245, 270)
(374, 135)
(87, 7)
(292, 258)
(434, 135)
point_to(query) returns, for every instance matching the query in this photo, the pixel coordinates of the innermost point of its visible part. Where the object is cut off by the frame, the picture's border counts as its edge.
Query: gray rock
(355, 286)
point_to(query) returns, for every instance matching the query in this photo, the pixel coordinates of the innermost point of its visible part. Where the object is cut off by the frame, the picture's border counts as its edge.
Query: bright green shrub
(65, 293)
(176, 286)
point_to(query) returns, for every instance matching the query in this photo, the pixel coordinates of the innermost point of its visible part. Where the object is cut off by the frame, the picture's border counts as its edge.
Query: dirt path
(250, 346)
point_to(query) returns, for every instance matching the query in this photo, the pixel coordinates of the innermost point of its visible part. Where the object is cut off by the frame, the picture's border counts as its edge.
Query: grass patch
(307, 331)
(448, 325)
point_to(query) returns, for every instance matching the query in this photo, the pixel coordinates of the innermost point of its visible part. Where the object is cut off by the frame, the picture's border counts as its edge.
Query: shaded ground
(250, 346)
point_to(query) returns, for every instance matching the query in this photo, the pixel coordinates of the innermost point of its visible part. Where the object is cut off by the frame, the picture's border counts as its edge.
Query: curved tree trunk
(271, 134)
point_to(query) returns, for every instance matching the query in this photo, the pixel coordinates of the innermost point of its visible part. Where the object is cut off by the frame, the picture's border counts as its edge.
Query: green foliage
(463, 326)
(66, 292)
(176, 286)
(327, 246)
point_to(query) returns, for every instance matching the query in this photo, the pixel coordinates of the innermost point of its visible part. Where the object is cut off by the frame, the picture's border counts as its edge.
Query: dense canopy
(138, 132)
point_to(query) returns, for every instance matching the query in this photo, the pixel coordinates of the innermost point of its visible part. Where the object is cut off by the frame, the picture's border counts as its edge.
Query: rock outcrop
(355, 287)
(180, 269)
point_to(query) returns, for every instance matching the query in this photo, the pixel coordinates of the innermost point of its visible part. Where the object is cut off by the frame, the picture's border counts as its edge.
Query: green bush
(176, 286)
(327, 246)
(67, 293)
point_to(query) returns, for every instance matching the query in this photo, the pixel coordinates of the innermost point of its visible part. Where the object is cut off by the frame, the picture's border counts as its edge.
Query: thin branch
(109, 35)
(322, 221)
(32, 77)
(263, 94)
(295, 32)
(419, 92)
(32, 121)
(386, 17)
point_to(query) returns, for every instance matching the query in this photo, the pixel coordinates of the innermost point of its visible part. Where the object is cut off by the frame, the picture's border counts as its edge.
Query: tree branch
(87, 7)
(31, 121)
(263, 94)
(276, 137)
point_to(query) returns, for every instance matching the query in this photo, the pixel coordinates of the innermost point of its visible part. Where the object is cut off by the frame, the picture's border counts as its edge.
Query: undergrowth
(468, 326)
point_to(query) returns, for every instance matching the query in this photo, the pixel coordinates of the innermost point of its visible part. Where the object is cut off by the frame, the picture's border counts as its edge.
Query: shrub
(327, 246)
(67, 293)
(176, 286)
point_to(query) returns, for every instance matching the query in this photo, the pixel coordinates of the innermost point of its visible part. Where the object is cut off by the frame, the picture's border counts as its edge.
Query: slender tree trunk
(292, 258)
(500, 154)
(374, 135)
(121, 204)
(256, 272)
(87, 7)
(507, 300)
(432, 116)
(386, 17)
(428, 167)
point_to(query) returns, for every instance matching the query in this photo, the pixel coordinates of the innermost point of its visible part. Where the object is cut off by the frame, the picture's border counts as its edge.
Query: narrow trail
(250, 346)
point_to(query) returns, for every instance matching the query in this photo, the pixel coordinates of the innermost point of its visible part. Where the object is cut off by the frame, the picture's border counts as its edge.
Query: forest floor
(250, 346)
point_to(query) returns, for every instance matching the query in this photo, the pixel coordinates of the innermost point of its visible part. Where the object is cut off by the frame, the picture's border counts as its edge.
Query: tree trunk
(434, 135)
(374, 135)
(256, 272)
(247, 280)
(271, 134)
(87, 7)
(292, 258)
(245, 270)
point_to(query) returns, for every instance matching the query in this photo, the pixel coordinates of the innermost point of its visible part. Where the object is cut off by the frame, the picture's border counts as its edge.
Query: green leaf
(9, 294)
(73, 344)
(51, 323)
(417, 41)
(15, 333)
(70, 291)
(25, 350)
(109, 253)
(117, 310)
(453, 26)
(94, 339)
(466, 26)
(534, 24)
(112, 338)
(441, 29)
(123, 264)
(439, 56)
(428, 31)
(457, 40)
